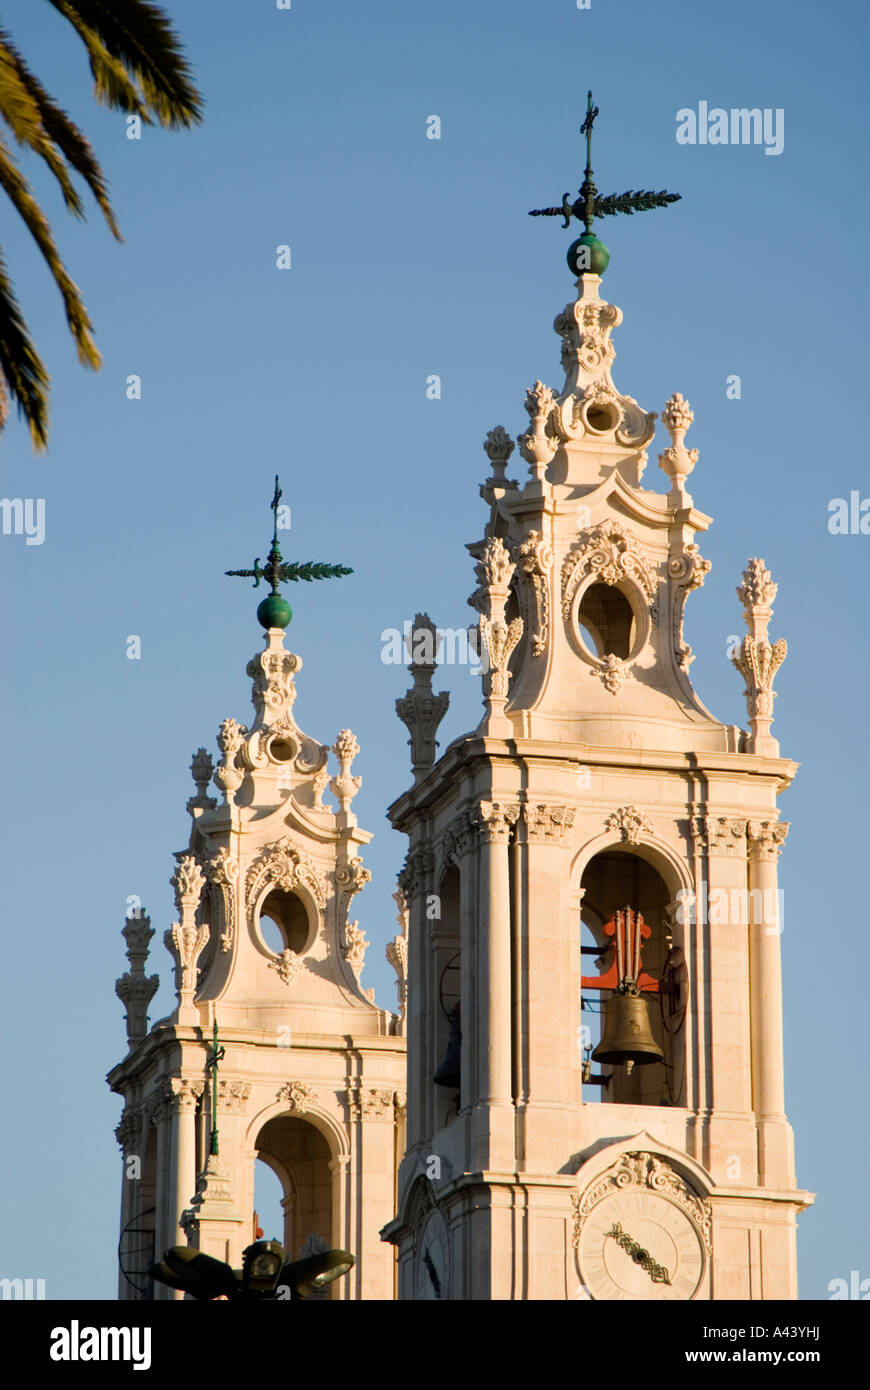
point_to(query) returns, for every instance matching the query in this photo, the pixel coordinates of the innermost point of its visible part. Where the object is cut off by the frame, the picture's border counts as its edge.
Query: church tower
(595, 1053)
(311, 1075)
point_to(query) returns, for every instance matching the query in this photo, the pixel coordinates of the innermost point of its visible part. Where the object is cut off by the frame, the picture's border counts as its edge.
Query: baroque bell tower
(311, 1078)
(595, 1053)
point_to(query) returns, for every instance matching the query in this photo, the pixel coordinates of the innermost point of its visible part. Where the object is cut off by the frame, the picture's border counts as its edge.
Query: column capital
(766, 838)
(494, 820)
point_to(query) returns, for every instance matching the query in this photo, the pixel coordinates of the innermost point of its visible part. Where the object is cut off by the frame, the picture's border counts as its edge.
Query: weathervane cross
(591, 204)
(274, 611)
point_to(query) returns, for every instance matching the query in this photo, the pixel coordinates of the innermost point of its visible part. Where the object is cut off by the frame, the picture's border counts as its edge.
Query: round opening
(280, 751)
(284, 922)
(600, 417)
(607, 622)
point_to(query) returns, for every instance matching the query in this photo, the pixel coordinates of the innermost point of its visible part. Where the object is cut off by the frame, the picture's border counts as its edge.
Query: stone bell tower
(312, 1075)
(596, 861)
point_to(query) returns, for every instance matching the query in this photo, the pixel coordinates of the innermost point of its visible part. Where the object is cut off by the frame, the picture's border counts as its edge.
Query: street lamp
(265, 1272)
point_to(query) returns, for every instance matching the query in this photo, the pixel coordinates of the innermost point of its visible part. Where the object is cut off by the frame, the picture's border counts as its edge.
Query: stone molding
(639, 1169)
(724, 835)
(631, 823)
(548, 823)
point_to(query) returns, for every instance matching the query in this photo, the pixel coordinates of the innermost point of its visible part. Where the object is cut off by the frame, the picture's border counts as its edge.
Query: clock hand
(656, 1272)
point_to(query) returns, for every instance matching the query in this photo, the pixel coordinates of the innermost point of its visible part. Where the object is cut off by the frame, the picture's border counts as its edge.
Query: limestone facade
(596, 780)
(312, 1079)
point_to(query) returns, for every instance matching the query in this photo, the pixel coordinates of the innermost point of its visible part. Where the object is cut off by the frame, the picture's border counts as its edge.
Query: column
(775, 1144)
(493, 1124)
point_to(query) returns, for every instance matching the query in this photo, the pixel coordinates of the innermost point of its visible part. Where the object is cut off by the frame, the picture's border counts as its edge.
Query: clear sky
(412, 257)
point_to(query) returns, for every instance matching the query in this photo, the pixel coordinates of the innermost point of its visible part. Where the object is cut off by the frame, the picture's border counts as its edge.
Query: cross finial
(591, 204)
(274, 611)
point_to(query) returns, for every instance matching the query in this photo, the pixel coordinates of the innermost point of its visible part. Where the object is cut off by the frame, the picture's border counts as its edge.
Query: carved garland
(283, 865)
(611, 553)
(643, 1170)
(534, 558)
(222, 871)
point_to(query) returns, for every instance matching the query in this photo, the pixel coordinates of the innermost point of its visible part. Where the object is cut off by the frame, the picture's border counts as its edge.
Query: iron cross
(591, 203)
(276, 570)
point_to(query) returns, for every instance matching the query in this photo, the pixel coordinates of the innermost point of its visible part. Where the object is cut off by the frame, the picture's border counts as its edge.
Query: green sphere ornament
(588, 255)
(274, 611)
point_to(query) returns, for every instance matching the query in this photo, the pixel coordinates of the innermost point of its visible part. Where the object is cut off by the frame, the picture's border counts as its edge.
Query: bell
(626, 1036)
(448, 1074)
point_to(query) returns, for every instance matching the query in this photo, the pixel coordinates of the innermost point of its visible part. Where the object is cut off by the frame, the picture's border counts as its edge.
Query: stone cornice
(465, 752)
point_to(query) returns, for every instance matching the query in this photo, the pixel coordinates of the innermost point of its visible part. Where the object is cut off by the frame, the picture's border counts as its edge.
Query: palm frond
(21, 113)
(21, 366)
(47, 129)
(134, 39)
(21, 195)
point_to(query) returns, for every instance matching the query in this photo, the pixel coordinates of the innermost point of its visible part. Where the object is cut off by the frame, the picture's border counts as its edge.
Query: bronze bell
(627, 1036)
(448, 1074)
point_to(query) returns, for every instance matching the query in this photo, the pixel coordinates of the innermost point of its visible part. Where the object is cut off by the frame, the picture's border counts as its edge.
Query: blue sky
(412, 257)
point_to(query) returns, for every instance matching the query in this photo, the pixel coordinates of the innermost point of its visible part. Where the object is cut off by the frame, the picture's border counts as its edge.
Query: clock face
(637, 1244)
(431, 1275)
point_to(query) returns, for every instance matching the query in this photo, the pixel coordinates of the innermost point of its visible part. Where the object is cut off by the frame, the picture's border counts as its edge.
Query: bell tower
(595, 1057)
(274, 1051)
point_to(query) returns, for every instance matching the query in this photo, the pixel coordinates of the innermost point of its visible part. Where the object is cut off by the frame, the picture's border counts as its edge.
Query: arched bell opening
(446, 1033)
(283, 922)
(634, 984)
(299, 1156)
(607, 621)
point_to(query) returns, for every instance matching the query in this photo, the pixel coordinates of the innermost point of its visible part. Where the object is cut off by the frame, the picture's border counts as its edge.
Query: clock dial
(639, 1245)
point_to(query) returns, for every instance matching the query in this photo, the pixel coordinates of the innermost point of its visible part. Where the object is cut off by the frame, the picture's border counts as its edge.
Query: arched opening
(614, 880)
(607, 621)
(268, 1203)
(137, 1246)
(446, 1045)
(284, 922)
(299, 1157)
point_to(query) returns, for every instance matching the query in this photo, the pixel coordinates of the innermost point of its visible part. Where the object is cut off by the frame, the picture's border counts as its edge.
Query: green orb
(274, 611)
(588, 255)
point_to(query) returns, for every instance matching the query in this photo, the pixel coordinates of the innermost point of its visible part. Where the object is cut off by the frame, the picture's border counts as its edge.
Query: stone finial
(494, 570)
(678, 461)
(135, 989)
(229, 777)
(757, 659)
(188, 882)
(420, 709)
(757, 593)
(498, 447)
(202, 768)
(345, 787)
(536, 446)
(186, 941)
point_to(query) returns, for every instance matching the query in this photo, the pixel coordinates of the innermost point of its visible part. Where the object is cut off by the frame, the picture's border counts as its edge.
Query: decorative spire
(275, 611)
(587, 254)
(756, 659)
(420, 709)
(135, 989)
(678, 461)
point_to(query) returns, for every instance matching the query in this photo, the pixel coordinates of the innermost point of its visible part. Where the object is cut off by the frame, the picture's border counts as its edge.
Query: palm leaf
(134, 39)
(21, 366)
(19, 191)
(47, 129)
